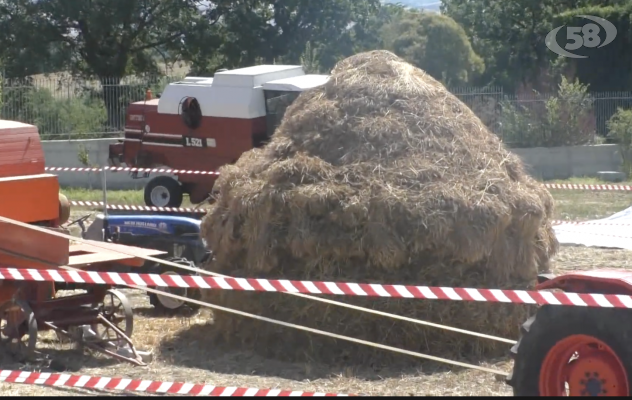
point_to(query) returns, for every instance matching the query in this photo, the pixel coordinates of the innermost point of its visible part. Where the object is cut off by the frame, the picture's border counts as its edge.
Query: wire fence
(65, 107)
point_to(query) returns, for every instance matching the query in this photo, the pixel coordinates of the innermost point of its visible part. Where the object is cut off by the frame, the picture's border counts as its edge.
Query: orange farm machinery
(30, 208)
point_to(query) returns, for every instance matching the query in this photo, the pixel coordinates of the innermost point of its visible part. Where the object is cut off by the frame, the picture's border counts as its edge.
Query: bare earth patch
(182, 353)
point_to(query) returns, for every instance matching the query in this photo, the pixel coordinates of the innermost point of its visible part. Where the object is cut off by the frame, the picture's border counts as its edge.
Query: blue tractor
(178, 236)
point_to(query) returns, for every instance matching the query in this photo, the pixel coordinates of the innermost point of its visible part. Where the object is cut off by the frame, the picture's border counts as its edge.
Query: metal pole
(105, 201)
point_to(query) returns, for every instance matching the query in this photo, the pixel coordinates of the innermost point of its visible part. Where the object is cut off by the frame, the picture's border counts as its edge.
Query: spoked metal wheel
(18, 329)
(117, 311)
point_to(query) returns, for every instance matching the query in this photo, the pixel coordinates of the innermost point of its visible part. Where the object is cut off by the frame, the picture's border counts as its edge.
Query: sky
(431, 5)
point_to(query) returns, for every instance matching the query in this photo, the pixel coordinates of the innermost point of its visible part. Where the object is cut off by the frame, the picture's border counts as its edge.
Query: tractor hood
(154, 224)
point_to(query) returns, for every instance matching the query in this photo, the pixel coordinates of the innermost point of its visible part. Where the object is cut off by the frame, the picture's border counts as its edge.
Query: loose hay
(380, 176)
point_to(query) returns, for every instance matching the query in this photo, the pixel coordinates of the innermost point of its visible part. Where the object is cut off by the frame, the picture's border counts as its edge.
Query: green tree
(606, 68)
(377, 32)
(436, 44)
(510, 36)
(620, 129)
(106, 39)
(278, 30)
(565, 119)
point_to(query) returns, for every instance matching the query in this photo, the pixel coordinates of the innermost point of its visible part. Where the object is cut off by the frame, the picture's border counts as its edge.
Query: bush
(73, 116)
(620, 129)
(565, 119)
(73, 109)
(67, 118)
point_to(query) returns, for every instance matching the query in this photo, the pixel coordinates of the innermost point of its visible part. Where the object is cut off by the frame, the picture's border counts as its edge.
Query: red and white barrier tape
(596, 234)
(568, 186)
(315, 287)
(128, 169)
(100, 383)
(126, 207)
(73, 169)
(597, 223)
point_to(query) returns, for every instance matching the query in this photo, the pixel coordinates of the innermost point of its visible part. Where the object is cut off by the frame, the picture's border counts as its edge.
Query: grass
(572, 205)
(182, 351)
(581, 205)
(114, 196)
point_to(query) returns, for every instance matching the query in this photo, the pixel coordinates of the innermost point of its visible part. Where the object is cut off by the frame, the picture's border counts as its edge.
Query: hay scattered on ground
(383, 176)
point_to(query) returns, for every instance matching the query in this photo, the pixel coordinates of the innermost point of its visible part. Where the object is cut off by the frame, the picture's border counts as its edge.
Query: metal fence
(64, 107)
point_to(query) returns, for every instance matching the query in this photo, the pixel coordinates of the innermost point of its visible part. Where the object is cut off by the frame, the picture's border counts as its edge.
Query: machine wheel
(574, 351)
(64, 210)
(18, 329)
(163, 191)
(168, 304)
(116, 309)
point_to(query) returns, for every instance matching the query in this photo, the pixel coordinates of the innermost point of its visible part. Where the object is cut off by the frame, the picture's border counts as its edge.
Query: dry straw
(381, 175)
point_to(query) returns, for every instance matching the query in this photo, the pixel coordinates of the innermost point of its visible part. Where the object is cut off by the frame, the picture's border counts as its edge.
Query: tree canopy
(510, 36)
(477, 43)
(437, 44)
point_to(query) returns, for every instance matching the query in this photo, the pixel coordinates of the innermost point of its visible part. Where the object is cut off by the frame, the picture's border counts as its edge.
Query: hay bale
(379, 176)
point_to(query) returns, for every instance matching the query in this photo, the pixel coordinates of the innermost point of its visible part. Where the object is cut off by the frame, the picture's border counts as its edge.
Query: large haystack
(380, 176)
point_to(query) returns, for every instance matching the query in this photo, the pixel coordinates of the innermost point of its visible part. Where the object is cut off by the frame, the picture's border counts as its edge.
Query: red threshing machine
(102, 318)
(204, 123)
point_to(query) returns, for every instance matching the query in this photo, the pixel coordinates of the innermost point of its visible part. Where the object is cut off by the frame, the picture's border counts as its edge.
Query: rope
(244, 314)
(281, 323)
(333, 302)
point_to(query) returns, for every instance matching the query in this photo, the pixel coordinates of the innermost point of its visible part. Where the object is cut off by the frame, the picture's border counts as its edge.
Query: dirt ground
(181, 352)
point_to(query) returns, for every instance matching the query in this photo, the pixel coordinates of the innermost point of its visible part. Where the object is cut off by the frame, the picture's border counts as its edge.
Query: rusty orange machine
(101, 318)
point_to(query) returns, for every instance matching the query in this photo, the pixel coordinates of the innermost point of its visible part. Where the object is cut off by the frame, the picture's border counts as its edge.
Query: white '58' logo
(585, 36)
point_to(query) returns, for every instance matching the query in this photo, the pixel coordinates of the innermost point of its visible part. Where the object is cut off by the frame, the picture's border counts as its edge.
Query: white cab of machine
(237, 93)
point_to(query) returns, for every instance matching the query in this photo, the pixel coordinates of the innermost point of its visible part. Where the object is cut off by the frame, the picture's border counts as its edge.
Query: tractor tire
(169, 305)
(163, 191)
(599, 337)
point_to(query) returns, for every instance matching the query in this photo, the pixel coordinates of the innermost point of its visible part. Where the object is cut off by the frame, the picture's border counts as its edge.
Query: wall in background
(542, 162)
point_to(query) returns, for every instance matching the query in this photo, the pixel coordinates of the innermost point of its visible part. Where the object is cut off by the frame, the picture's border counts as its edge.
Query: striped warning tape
(128, 169)
(597, 223)
(136, 385)
(568, 186)
(594, 233)
(127, 207)
(73, 169)
(316, 287)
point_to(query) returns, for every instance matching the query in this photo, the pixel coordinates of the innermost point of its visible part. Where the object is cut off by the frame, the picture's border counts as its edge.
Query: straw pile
(379, 176)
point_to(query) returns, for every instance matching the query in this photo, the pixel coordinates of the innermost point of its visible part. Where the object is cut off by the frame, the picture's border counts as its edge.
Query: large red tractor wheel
(574, 351)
